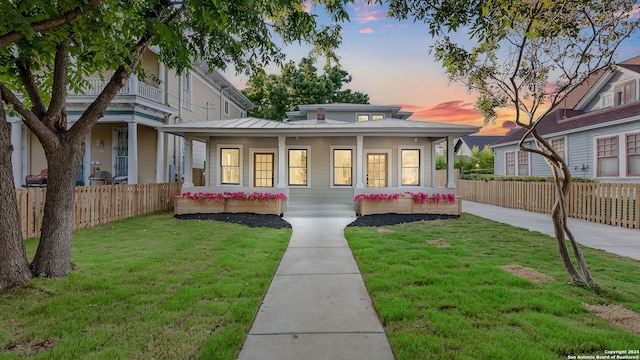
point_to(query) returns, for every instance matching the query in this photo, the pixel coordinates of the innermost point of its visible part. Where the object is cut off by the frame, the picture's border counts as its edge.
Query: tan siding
(102, 132)
(36, 159)
(151, 67)
(147, 145)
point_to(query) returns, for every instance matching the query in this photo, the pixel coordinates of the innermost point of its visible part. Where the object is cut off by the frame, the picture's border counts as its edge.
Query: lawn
(441, 293)
(147, 287)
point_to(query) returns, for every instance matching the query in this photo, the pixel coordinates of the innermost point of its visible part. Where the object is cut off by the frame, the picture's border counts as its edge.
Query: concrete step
(319, 210)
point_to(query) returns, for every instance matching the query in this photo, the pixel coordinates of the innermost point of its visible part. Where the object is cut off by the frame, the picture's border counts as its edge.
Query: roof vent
(320, 116)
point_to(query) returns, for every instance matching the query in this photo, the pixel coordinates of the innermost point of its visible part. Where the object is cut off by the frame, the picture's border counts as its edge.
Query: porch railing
(132, 87)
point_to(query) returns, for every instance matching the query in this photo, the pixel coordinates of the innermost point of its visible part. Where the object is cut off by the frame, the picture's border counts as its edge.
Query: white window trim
(515, 164)
(366, 152)
(421, 164)
(566, 147)
(187, 103)
(518, 162)
(219, 166)
(226, 107)
(298, 147)
(353, 167)
(252, 151)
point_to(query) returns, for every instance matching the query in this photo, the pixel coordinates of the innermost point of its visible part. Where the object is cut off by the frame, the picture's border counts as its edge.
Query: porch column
(451, 183)
(132, 156)
(86, 171)
(207, 162)
(16, 155)
(188, 162)
(359, 165)
(160, 158)
(282, 142)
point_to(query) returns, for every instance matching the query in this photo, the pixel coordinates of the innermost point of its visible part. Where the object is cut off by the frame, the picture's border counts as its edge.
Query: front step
(319, 210)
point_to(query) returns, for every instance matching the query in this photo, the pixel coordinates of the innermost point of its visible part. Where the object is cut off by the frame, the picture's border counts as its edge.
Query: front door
(263, 169)
(376, 170)
(120, 151)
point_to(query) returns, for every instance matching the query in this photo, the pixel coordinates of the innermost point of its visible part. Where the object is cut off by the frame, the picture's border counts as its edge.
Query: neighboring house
(597, 131)
(465, 144)
(125, 142)
(324, 153)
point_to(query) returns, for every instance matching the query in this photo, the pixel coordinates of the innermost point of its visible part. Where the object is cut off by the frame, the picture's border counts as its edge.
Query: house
(323, 153)
(464, 145)
(596, 130)
(125, 145)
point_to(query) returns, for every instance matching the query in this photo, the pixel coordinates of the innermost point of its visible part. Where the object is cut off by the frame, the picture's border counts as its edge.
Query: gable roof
(557, 123)
(263, 127)
(476, 140)
(568, 116)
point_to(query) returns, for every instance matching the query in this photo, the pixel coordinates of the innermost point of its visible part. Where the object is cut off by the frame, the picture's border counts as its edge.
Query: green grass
(148, 287)
(457, 303)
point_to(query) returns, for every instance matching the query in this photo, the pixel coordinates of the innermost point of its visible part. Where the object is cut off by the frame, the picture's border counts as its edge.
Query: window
(298, 167)
(625, 93)
(367, 117)
(607, 156)
(186, 90)
(263, 169)
(226, 107)
(523, 163)
(633, 154)
(558, 145)
(510, 163)
(230, 166)
(410, 163)
(342, 167)
(377, 170)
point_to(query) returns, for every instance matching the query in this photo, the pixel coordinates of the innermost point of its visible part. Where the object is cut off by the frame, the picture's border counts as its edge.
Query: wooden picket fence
(96, 205)
(604, 203)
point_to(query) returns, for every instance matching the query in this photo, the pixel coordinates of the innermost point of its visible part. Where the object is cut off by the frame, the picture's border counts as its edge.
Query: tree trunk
(14, 266)
(53, 257)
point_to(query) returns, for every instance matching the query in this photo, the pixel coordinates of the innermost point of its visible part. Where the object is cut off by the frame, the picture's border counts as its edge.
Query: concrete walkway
(317, 306)
(613, 239)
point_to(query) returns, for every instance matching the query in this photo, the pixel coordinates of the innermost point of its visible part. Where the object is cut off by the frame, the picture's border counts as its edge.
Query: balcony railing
(132, 87)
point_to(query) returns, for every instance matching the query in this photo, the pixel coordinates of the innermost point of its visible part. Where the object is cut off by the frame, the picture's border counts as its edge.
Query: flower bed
(408, 203)
(231, 202)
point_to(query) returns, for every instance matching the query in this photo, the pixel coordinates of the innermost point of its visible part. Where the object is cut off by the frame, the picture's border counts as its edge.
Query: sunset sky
(389, 60)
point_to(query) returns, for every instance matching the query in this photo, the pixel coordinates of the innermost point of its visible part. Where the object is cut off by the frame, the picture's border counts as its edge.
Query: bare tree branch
(30, 85)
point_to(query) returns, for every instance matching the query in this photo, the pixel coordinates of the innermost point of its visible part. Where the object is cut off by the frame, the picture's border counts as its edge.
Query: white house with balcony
(126, 142)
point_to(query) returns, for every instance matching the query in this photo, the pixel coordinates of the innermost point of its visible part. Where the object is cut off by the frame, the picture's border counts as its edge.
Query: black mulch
(276, 222)
(248, 219)
(395, 219)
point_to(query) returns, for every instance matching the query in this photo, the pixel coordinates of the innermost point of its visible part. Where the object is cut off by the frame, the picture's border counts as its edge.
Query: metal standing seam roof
(243, 125)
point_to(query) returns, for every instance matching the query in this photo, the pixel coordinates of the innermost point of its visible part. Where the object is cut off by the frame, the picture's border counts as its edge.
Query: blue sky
(389, 60)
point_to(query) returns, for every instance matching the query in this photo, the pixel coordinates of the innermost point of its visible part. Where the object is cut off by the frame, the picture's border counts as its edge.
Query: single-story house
(323, 153)
(596, 130)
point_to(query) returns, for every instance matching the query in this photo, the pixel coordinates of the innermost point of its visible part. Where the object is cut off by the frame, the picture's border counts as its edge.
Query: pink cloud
(366, 12)
(458, 112)
(307, 5)
(367, 30)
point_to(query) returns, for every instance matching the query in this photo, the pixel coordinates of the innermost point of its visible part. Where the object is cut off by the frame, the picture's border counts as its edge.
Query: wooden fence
(95, 205)
(604, 203)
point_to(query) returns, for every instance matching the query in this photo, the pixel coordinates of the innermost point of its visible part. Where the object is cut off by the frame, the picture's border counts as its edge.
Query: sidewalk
(317, 306)
(613, 239)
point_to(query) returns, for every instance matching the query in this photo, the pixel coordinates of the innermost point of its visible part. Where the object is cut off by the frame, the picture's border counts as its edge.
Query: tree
(528, 55)
(46, 57)
(274, 95)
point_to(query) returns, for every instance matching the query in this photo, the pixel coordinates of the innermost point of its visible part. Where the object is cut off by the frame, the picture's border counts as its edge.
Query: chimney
(320, 116)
